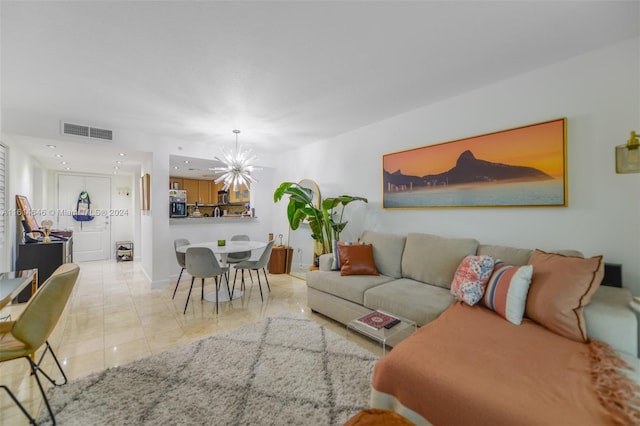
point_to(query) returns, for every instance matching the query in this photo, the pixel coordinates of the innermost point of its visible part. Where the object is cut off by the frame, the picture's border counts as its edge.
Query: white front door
(91, 239)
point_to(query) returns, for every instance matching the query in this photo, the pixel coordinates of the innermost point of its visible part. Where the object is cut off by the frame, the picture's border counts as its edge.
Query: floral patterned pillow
(470, 280)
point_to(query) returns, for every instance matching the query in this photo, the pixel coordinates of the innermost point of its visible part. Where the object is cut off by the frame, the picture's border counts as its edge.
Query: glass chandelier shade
(238, 167)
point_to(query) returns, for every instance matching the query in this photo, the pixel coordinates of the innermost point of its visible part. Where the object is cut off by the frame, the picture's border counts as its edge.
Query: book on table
(378, 320)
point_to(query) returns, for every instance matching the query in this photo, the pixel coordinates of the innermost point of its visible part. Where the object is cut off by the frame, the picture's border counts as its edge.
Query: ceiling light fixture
(238, 167)
(51, 146)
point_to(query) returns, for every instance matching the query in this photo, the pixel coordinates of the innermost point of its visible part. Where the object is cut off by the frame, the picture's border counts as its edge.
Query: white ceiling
(285, 73)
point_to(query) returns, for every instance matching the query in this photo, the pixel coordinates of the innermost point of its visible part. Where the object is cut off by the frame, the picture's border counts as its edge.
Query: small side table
(280, 261)
(386, 337)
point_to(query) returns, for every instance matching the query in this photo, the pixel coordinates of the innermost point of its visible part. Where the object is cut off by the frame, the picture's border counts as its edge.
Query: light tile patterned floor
(113, 317)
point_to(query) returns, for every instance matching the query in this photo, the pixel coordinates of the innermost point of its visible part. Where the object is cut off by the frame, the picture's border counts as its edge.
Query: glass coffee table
(386, 336)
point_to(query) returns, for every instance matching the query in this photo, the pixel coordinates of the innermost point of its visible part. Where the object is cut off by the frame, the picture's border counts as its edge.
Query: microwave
(177, 209)
(223, 197)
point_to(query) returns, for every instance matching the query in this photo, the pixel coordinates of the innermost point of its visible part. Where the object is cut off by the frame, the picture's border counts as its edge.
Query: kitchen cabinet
(239, 196)
(204, 190)
(176, 183)
(191, 186)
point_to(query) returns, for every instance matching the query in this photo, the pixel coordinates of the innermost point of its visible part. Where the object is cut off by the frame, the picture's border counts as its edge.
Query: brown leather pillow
(357, 260)
(561, 287)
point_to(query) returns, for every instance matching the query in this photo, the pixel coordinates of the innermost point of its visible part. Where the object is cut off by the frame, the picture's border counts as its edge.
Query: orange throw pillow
(561, 287)
(357, 260)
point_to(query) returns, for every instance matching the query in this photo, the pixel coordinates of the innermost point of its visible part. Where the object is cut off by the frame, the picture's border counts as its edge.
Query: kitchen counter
(203, 219)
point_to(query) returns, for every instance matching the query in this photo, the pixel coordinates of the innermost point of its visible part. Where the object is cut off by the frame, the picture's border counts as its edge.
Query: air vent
(71, 129)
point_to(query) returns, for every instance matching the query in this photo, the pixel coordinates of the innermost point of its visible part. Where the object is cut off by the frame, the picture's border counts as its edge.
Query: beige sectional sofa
(416, 271)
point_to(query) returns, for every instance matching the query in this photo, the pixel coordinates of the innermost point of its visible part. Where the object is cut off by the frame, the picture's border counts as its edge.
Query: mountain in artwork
(468, 169)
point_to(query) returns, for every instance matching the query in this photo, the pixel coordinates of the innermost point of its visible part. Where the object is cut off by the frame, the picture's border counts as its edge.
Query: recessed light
(63, 162)
(117, 168)
(51, 146)
(118, 162)
(67, 168)
(115, 172)
(122, 154)
(59, 155)
(186, 161)
(175, 167)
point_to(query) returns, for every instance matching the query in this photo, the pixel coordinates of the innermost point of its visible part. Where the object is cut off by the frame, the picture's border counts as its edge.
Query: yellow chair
(23, 337)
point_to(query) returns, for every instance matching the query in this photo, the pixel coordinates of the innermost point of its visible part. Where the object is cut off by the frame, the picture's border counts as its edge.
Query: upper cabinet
(176, 183)
(206, 191)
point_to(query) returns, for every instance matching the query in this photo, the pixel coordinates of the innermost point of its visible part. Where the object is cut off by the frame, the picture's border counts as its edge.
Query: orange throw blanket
(472, 367)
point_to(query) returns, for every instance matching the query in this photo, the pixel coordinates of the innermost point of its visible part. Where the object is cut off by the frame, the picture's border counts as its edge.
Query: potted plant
(325, 222)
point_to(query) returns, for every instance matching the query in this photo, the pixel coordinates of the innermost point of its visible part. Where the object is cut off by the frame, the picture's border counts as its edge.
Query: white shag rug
(285, 370)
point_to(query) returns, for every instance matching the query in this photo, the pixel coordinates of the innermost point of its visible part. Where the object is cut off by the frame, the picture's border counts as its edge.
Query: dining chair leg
(176, 289)
(265, 277)
(235, 275)
(260, 287)
(189, 296)
(202, 289)
(217, 289)
(34, 373)
(24, 411)
(48, 348)
(226, 276)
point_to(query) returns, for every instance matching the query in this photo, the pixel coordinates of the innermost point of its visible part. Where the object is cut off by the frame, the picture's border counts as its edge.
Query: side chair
(256, 265)
(24, 336)
(180, 258)
(202, 263)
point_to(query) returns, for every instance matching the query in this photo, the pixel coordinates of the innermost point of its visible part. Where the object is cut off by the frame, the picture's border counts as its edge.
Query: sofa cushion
(433, 259)
(560, 289)
(409, 299)
(506, 292)
(387, 251)
(357, 259)
(509, 255)
(351, 287)
(471, 278)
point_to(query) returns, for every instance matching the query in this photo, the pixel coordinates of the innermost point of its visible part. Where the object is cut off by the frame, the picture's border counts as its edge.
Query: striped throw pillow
(507, 289)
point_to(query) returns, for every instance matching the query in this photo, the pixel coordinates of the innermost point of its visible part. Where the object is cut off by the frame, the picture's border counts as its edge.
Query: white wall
(597, 92)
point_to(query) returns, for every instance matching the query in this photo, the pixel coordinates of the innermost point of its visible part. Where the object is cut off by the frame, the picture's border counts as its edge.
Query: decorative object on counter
(196, 211)
(628, 156)
(270, 236)
(216, 212)
(238, 167)
(222, 243)
(305, 204)
(280, 237)
(46, 226)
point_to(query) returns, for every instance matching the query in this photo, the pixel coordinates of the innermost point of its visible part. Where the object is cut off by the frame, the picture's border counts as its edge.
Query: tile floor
(113, 317)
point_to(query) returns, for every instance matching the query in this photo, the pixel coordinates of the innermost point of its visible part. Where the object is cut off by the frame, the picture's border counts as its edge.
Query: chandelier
(238, 167)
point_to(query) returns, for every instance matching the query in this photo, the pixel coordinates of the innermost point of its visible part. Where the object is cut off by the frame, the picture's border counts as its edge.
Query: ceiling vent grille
(71, 129)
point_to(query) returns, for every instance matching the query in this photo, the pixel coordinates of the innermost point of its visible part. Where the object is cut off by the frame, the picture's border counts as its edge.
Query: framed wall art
(145, 192)
(520, 167)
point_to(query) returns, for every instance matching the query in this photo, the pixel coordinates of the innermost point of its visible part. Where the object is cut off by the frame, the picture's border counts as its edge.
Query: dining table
(13, 282)
(222, 251)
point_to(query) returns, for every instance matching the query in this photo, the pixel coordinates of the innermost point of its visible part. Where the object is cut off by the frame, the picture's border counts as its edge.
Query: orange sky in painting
(540, 146)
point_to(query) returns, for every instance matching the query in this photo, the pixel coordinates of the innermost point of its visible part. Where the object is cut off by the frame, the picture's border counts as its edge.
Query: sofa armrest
(325, 262)
(609, 318)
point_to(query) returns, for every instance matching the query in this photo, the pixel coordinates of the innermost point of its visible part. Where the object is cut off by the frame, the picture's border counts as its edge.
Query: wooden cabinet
(280, 260)
(46, 257)
(239, 196)
(176, 183)
(191, 186)
(204, 191)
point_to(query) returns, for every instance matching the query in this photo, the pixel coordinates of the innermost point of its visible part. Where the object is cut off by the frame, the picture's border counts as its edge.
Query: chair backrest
(43, 311)
(180, 256)
(202, 263)
(264, 257)
(241, 255)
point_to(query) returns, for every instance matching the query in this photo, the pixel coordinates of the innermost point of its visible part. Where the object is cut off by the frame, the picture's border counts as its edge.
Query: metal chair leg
(24, 411)
(226, 276)
(55, 358)
(260, 285)
(202, 290)
(34, 370)
(265, 277)
(217, 289)
(189, 296)
(176, 289)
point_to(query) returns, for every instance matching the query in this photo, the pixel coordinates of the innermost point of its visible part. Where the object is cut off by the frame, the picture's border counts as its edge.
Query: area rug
(278, 371)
